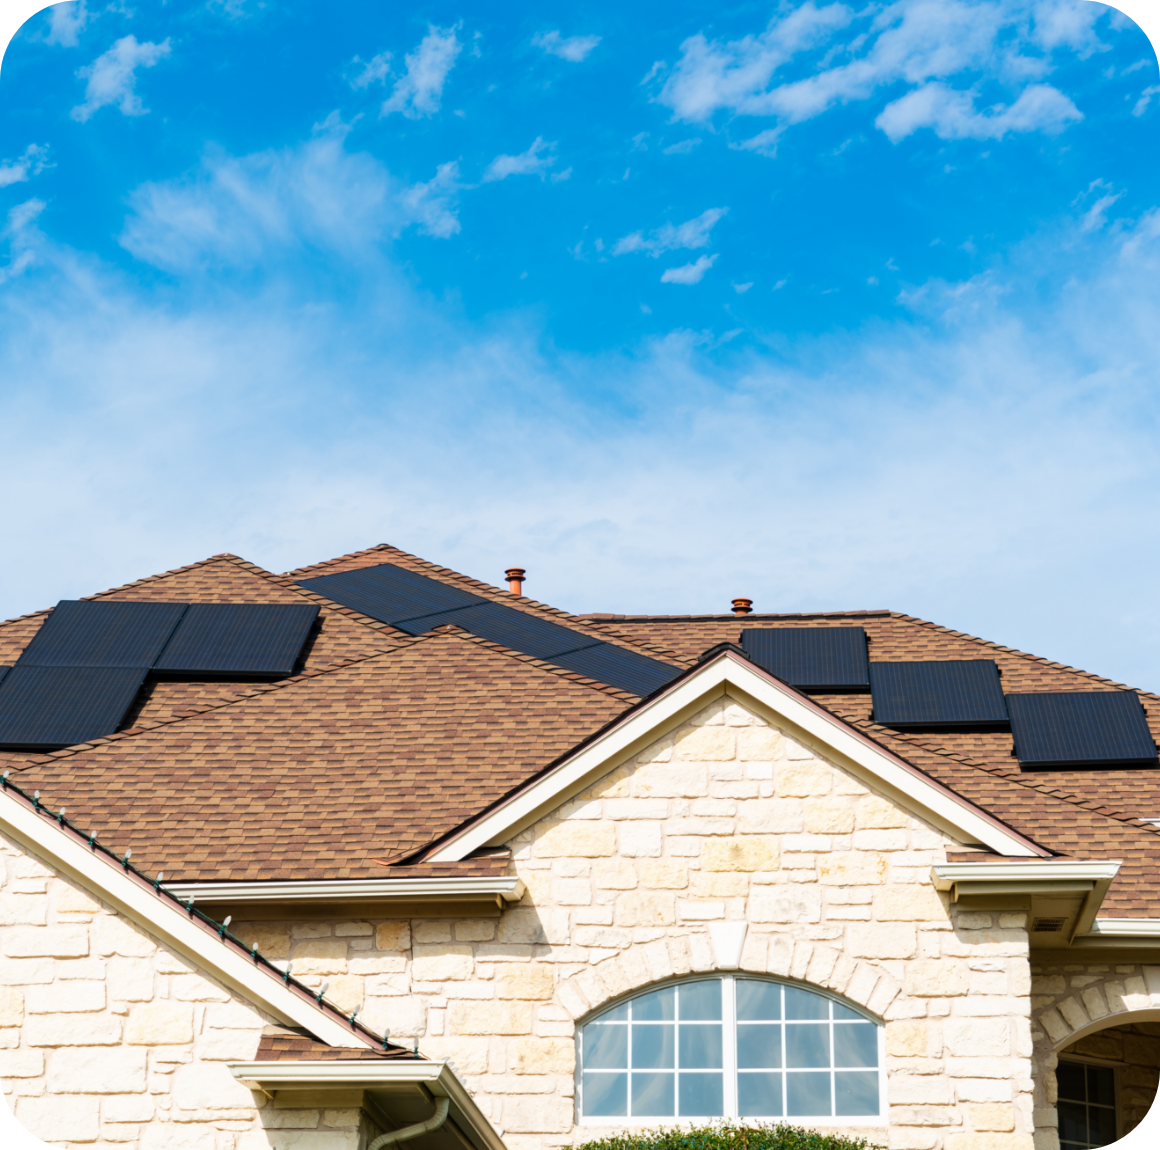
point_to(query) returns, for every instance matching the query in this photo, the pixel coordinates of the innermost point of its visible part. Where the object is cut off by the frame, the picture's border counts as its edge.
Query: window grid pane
(794, 1053)
(1087, 1106)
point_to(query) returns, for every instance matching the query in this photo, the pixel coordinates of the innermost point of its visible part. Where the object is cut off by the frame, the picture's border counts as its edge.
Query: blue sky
(834, 306)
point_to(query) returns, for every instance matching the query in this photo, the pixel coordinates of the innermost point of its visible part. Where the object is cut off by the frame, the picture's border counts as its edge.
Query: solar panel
(48, 707)
(1080, 729)
(811, 658)
(238, 639)
(4, 671)
(950, 694)
(619, 668)
(389, 593)
(520, 631)
(102, 634)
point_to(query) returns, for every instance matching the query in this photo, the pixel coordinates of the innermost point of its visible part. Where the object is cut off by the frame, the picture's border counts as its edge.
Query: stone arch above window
(730, 1046)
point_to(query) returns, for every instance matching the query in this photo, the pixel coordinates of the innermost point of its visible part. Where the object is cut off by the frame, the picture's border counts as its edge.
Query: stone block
(977, 1037)
(70, 899)
(273, 942)
(320, 956)
(617, 874)
(829, 816)
(442, 963)
(539, 1113)
(21, 1063)
(679, 780)
(911, 902)
(475, 930)
(907, 1039)
(209, 1086)
(618, 809)
(11, 1007)
(787, 902)
(541, 1056)
(433, 931)
(467, 1056)
(66, 998)
(640, 839)
(876, 813)
(577, 840)
(25, 971)
(130, 979)
(645, 908)
(47, 942)
(705, 744)
(525, 980)
(852, 868)
(72, 1030)
(232, 1016)
(23, 910)
(96, 1071)
(130, 1108)
(571, 892)
(744, 853)
(803, 778)
(881, 940)
(346, 991)
(759, 744)
(664, 874)
(919, 1090)
(937, 978)
(113, 934)
(393, 936)
(771, 816)
(719, 884)
(160, 1024)
(401, 1017)
(353, 929)
(194, 988)
(531, 925)
(495, 1017)
(229, 1045)
(989, 1142)
(61, 1118)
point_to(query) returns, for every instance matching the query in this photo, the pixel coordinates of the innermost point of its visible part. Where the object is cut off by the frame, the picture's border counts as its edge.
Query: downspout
(408, 1132)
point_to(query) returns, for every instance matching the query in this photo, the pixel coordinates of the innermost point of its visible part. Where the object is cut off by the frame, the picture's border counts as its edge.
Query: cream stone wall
(726, 819)
(1078, 999)
(109, 1039)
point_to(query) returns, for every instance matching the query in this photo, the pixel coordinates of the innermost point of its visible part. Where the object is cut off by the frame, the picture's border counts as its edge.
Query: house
(309, 861)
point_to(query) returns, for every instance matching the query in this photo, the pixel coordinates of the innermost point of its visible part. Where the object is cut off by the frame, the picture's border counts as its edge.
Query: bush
(729, 1136)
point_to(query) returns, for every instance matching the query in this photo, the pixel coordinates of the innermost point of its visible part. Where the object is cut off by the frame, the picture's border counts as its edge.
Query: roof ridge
(205, 708)
(490, 591)
(1002, 773)
(601, 616)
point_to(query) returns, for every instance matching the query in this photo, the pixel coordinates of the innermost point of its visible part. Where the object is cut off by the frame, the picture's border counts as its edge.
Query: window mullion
(729, 1046)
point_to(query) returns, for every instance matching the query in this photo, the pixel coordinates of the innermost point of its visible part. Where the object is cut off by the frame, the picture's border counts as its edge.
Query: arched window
(727, 1047)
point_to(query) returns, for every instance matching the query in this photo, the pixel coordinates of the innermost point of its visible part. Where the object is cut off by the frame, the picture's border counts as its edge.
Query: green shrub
(729, 1136)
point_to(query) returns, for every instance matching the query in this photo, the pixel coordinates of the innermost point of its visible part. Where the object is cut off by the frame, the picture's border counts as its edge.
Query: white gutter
(1126, 928)
(39, 833)
(813, 724)
(437, 1078)
(505, 888)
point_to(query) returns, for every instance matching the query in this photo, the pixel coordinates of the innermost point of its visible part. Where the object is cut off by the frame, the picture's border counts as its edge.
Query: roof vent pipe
(515, 578)
(742, 606)
(409, 1132)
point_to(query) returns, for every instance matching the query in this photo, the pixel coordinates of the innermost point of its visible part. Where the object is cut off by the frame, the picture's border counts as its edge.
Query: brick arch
(642, 964)
(1115, 1000)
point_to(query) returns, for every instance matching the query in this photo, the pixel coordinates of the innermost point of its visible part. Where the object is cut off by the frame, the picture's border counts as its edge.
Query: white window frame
(728, 980)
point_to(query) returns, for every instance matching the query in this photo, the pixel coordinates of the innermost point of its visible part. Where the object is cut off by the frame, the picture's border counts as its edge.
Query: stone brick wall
(1074, 1001)
(109, 1039)
(727, 819)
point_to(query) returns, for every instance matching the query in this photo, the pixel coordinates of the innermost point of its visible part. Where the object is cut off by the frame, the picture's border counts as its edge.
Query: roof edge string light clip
(224, 925)
(125, 860)
(158, 880)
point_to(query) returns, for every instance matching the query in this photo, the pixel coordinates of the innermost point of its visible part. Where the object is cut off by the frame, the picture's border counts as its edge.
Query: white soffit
(71, 857)
(504, 888)
(806, 721)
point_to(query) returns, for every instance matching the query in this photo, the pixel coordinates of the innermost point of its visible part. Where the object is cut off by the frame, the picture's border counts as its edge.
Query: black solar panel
(102, 634)
(48, 707)
(1081, 729)
(952, 694)
(520, 631)
(811, 658)
(389, 593)
(619, 668)
(4, 671)
(238, 639)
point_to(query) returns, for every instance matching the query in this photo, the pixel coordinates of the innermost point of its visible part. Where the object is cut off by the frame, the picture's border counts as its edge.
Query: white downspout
(408, 1132)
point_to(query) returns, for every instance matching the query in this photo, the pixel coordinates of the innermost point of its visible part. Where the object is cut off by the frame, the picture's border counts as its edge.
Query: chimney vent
(515, 578)
(742, 606)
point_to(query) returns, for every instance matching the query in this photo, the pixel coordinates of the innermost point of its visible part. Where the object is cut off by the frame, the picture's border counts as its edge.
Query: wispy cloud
(372, 71)
(922, 43)
(683, 148)
(572, 48)
(420, 91)
(534, 162)
(689, 273)
(692, 233)
(112, 77)
(66, 22)
(953, 116)
(31, 163)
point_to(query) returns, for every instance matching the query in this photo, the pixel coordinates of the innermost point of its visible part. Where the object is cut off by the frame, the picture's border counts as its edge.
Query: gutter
(498, 891)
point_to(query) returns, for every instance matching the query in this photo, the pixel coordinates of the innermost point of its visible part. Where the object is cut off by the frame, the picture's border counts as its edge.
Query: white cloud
(31, 163)
(915, 42)
(952, 115)
(741, 289)
(764, 143)
(1145, 99)
(374, 71)
(112, 77)
(689, 273)
(534, 162)
(683, 148)
(66, 22)
(692, 233)
(572, 48)
(316, 199)
(420, 91)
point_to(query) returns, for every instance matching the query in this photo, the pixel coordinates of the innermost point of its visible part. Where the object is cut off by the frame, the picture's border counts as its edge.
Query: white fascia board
(468, 889)
(69, 856)
(727, 674)
(1126, 927)
(1062, 871)
(437, 1077)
